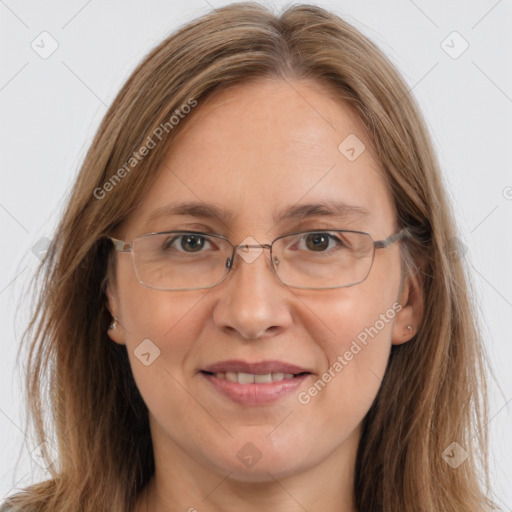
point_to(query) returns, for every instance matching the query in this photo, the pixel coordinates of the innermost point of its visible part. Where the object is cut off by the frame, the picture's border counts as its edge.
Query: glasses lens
(323, 259)
(180, 260)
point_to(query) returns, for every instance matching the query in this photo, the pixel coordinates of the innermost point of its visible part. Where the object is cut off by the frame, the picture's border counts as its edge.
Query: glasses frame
(127, 247)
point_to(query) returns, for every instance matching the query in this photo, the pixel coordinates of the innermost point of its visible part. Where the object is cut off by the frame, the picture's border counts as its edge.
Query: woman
(189, 370)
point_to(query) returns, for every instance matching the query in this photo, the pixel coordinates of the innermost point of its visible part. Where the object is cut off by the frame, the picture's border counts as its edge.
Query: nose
(252, 300)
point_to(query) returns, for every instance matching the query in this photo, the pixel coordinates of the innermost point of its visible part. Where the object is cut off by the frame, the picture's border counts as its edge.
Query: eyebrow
(301, 211)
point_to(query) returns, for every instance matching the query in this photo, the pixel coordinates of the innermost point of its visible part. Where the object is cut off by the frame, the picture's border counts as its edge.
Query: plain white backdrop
(64, 62)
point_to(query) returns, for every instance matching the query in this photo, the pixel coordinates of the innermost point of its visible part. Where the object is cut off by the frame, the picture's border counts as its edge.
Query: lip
(255, 394)
(259, 368)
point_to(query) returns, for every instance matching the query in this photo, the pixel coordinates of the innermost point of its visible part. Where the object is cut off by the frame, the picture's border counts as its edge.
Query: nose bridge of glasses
(244, 252)
(256, 246)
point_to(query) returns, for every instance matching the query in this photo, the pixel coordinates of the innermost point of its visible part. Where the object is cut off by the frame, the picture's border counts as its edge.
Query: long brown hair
(433, 393)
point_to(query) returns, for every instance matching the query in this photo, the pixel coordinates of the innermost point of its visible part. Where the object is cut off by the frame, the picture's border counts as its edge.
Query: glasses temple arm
(404, 233)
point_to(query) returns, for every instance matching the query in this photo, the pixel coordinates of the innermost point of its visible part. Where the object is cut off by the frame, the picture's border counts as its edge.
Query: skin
(256, 149)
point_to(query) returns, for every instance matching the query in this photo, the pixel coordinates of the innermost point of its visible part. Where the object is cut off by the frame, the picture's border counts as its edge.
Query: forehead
(255, 151)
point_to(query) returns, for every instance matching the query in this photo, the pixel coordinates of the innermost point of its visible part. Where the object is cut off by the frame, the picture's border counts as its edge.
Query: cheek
(361, 331)
(165, 326)
(159, 332)
(155, 314)
(356, 347)
(168, 325)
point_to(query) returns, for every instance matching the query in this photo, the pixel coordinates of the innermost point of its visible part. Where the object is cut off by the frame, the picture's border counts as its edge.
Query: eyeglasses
(191, 260)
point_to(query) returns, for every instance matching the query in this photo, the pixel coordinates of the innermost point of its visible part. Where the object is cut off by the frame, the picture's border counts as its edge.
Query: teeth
(245, 378)
(262, 379)
(249, 378)
(231, 376)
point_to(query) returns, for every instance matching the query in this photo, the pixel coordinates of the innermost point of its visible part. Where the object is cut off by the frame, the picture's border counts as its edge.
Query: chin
(264, 472)
(252, 462)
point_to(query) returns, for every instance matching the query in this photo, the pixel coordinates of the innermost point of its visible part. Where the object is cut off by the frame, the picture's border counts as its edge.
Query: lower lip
(255, 394)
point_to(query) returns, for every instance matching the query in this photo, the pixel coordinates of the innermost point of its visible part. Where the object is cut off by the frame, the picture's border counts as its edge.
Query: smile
(250, 378)
(253, 389)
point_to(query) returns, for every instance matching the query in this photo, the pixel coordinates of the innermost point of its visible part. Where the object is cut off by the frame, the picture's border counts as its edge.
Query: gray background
(51, 107)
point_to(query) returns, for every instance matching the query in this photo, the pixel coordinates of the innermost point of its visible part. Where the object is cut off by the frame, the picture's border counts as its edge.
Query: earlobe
(114, 331)
(409, 317)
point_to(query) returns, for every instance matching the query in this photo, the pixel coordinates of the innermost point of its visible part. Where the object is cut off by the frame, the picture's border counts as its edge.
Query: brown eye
(188, 243)
(194, 242)
(319, 242)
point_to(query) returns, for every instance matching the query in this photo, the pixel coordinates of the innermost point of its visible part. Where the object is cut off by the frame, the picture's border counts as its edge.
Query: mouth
(253, 384)
(268, 367)
(255, 378)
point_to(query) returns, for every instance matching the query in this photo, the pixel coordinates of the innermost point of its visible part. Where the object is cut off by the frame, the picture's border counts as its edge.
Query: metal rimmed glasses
(194, 260)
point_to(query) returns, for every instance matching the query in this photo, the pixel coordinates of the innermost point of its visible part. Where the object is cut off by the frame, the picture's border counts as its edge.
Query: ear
(411, 300)
(117, 334)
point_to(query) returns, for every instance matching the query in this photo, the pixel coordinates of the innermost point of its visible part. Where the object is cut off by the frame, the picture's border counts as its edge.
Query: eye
(321, 242)
(188, 243)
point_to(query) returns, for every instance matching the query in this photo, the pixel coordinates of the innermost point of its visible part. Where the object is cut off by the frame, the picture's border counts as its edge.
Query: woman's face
(253, 152)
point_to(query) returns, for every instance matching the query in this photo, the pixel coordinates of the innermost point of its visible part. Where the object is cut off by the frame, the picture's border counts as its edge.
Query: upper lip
(261, 368)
